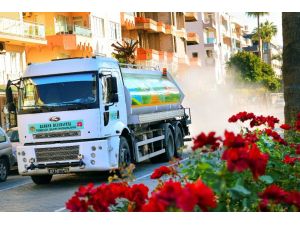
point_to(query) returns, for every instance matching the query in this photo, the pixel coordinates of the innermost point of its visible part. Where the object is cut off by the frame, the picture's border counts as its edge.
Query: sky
(274, 17)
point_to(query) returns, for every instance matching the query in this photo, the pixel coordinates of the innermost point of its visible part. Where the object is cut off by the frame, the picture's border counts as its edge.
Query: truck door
(112, 107)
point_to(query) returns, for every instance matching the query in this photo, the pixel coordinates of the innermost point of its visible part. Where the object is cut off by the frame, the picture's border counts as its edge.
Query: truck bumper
(84, 156)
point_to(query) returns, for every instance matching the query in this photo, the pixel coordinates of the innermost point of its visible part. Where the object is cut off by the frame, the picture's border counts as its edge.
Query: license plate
(58, 171)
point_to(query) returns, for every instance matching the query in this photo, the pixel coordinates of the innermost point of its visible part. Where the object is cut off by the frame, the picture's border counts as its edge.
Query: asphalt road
(20, 194)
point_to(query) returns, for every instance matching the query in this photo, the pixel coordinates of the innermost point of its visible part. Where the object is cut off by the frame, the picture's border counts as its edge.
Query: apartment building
(75, 34)
(220, 36)
(16, 35)
(162, 37)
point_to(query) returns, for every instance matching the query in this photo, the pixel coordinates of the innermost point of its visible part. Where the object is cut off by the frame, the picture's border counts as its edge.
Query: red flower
(172, 196)
(75, 204)
(257, 121)
(293, 198)
(297, 125)
(285, 127)
(233, 141)
(163, 170)
(138, 194)
(209, 141)
(271, 120)
(204, 195)
(275, 136)
(166, 197)
(298, 149)
(84, 191)
(273, 192)
(242, 116)
(263, 205)
(251, 137)
(257, 161)
(290, 160)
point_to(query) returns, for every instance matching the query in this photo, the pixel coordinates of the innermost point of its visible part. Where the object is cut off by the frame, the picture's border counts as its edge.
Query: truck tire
(3, 170)
(179, 143)
(41, 179)
(169, 146)
(124, 153)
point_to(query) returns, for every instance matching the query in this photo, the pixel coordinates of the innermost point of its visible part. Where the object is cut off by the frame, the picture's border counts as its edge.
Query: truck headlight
(94, 148)
(24, 160)
(23, 153)
(93, 155)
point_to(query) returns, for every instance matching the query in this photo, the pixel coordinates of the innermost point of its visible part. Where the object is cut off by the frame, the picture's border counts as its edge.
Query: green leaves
(266, 179)
(246, 67)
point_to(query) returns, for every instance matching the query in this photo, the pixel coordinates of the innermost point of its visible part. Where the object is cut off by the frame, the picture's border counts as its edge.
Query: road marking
(139, 178)
(12, 187)
(61, 209)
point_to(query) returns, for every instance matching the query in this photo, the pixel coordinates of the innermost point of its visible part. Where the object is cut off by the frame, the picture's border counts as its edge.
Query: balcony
(190, 16)
(148, 24)
(192, 38)
(72, 29)
(127, 20)
(20, 32)
(143, 54)
(70, 37)
(153, 26)
(209, 24)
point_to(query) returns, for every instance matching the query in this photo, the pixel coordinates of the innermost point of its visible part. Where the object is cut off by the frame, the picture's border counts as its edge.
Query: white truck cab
(93, 114)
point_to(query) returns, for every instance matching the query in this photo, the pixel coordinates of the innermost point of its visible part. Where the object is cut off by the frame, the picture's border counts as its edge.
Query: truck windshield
(59, 92)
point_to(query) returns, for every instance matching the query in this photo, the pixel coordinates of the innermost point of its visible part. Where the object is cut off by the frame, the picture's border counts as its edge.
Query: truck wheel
(169, 147)
(124, 153)
(178, 142)
(3, 170)
(41, 179)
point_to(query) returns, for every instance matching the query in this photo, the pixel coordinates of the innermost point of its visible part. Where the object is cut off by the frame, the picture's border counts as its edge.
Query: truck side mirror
(9, 98)
(112, 84)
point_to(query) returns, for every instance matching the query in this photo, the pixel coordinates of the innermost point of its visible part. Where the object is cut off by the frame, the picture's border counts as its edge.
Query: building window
(61, 24)
(98, 29)
(115, 30)
(195, 54)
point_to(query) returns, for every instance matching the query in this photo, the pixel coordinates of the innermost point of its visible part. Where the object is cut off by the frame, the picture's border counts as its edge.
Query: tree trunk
(259, 38)
(291, 64)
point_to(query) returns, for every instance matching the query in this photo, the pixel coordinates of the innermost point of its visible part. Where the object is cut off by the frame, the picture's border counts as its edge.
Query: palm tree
(258, 15)
(124, 52)
(291, 64)
(267, 31)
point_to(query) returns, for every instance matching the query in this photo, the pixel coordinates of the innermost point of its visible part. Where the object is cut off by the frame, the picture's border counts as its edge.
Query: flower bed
(255, 170)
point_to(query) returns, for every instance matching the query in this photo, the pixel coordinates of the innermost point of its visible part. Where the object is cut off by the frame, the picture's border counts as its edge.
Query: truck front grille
(57, 153)
(57, 134)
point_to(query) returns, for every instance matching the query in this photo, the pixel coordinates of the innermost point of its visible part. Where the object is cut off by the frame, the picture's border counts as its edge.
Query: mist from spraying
(212, 104)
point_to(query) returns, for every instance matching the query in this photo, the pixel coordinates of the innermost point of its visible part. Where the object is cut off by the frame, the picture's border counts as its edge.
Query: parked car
(7, 159)
(13, 135)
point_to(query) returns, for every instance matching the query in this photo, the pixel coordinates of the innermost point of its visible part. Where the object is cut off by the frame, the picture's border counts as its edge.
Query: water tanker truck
(94, 114)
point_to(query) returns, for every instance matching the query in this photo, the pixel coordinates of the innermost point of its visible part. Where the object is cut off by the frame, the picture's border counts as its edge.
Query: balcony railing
(22, 29)
(73, 29)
